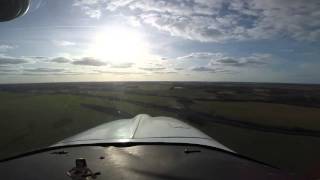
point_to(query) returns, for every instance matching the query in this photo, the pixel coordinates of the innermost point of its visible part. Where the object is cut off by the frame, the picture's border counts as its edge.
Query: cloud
(152, 68)
(219, 59)
(63, 43)
(49, 74)
(43, 70)
(12, 60)
(8, 70)
(89, 61)
(165, 72)
(120, 72)
(60, 60)
(90, 7)
(200, 56)
(218, 20)
(179, 69)
(206, 62)
(123, 65)
(39, 57)
(189, 27)
(252, 60)
(203, 69)
(229, 61)
(5, 48)
(212, 70)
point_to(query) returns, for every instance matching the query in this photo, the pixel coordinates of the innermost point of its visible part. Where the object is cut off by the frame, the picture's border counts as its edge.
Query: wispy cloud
(43, 70)
(87, 5)
(219, 59)
(218, 20)
(178, 68)
(164, 72)
(60, 60)
(200, 56)
(50, 74)
(41, 58)
(252, 60)
(212, 69)
(152, 68)
(120, 72)
(204, 69)
(122, 66)
(5, 47)
(33, 71)
(8, 70)
(12, 60)
(63, 43)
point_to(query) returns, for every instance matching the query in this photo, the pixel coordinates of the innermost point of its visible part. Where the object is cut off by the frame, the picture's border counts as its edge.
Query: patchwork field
(275, 123)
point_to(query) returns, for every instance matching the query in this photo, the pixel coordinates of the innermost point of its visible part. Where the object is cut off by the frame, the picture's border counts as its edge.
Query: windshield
(245, 72)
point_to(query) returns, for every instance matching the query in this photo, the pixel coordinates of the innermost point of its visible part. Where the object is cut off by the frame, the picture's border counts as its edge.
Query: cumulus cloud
(89, 61)
(218, 20)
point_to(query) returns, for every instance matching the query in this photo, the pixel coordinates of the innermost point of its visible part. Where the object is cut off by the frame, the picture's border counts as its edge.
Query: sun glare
(118, 45)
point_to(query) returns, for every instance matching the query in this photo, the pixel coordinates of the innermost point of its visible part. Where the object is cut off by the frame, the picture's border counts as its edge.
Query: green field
(272, 114)
(36, 116)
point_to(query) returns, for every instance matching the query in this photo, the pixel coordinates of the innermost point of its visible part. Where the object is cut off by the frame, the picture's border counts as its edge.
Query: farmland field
(275, 123)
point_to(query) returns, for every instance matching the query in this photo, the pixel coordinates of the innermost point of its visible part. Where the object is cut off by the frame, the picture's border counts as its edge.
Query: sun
(118, 45)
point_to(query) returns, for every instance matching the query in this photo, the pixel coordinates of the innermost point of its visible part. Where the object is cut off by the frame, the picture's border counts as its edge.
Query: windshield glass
(245, 72)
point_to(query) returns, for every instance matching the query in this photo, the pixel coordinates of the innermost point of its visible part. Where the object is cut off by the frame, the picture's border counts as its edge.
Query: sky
(163, 40)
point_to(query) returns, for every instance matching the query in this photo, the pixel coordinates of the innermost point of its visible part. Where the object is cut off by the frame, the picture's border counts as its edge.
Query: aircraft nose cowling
(143, 128)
